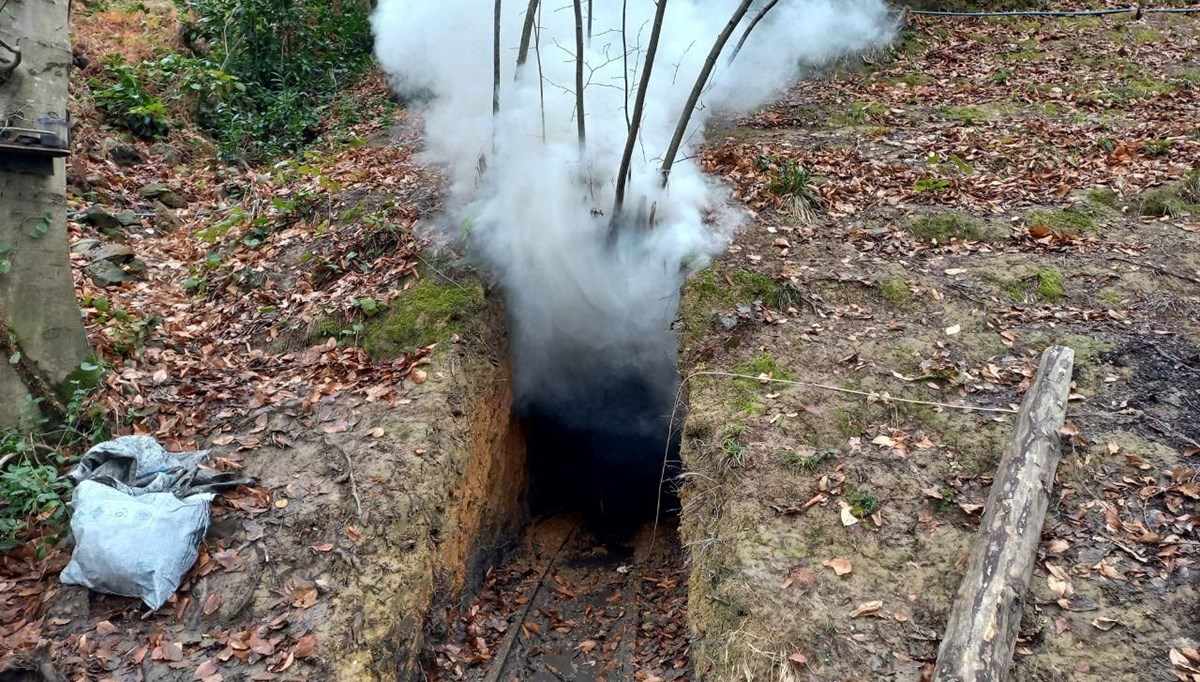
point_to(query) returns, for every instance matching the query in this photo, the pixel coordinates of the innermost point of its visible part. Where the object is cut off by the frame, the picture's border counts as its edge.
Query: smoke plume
(591, 316)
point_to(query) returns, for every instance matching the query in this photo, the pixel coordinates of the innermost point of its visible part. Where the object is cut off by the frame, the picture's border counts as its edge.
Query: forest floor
(993, 188)
(920, 229)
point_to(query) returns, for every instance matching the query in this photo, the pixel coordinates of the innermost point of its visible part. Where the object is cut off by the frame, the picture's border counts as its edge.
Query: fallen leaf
(871, 608)
(798, 658)
(304, 646)
(1104, 624)
(213, 603)
(205, 669)
(839, 566)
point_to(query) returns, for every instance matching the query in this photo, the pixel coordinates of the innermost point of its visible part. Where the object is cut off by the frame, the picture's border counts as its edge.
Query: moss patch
(946, 226)
(1067, 221)
(1104, 196)
(1179, 199)
(1045, 284)
(896, 292)
(428, 313)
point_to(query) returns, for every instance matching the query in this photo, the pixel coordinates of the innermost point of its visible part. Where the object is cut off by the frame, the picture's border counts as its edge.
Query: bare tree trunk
(982, 631)
(537, 49)
(526, 32)
(754, 22)
(701, 81)
(625, 57)
(496, 63)
(579, 71)
(636, 121)
(37, 291)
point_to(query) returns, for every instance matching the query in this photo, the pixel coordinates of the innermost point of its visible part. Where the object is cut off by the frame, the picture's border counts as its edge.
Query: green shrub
(29, 494)
(145, 97)
(289, 54)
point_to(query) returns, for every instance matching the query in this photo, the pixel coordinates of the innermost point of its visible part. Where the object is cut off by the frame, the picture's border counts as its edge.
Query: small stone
(136, 266)
(84, 245)
(169, 154)
(166, 216)
(162, 193)
(117, 253)
(126, 155)
(98, 216)
(106, 273)
(128, 218)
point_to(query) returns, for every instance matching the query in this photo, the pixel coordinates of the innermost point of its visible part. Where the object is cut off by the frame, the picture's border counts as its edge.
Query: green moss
(970, 115)
(1066, 221)
(1104, 196)
(427, 313)
(764, 363)
(1049, 285)
(863, 502)
(1110, 296)
(1045, 284)
(1179, 199)
(896, 292)
(747, 393)
(945, 226)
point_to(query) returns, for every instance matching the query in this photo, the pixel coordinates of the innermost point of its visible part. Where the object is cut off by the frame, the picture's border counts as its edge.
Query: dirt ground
(986, 191)
(917, 227)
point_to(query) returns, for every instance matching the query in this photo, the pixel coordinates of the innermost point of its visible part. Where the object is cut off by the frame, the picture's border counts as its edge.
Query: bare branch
(746, 34)
(639, 103)
(701, 81)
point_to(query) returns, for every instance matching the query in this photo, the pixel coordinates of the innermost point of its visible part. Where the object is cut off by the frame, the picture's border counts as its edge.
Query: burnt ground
(983, 192)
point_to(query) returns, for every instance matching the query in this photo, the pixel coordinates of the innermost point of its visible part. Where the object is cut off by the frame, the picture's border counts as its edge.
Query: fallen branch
(1157, 268)
(981, 634)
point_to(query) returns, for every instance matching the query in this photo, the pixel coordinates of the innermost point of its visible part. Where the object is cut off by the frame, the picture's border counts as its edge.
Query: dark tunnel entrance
(605, 449)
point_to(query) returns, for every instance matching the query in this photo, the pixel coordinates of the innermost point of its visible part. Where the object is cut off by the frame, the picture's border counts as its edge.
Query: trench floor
(572, 606)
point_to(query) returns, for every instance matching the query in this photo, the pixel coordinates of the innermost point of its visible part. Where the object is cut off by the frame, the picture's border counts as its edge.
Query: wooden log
(981, 634)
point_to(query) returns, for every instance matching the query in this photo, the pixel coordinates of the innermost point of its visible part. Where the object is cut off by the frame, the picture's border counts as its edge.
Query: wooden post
(981, 634)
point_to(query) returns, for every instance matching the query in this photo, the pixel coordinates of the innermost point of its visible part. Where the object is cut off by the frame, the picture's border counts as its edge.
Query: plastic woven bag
(134, 546)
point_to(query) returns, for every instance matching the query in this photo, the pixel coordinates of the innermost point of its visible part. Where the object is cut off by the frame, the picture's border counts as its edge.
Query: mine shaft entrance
(595, 589)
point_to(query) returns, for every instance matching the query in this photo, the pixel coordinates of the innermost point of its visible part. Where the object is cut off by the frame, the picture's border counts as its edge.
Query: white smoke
(536, 205)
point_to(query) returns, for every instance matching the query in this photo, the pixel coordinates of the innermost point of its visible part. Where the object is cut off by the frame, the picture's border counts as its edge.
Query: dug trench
(589, 582)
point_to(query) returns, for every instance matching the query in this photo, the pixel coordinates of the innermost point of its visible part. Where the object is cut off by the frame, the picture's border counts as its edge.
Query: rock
(170, 155)
(136, 266)
(162, 193)
(106, 273)
(117, 253)
(166, 216)
(128, 218)
(85, 245)
(126, 155)
(98, 216)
